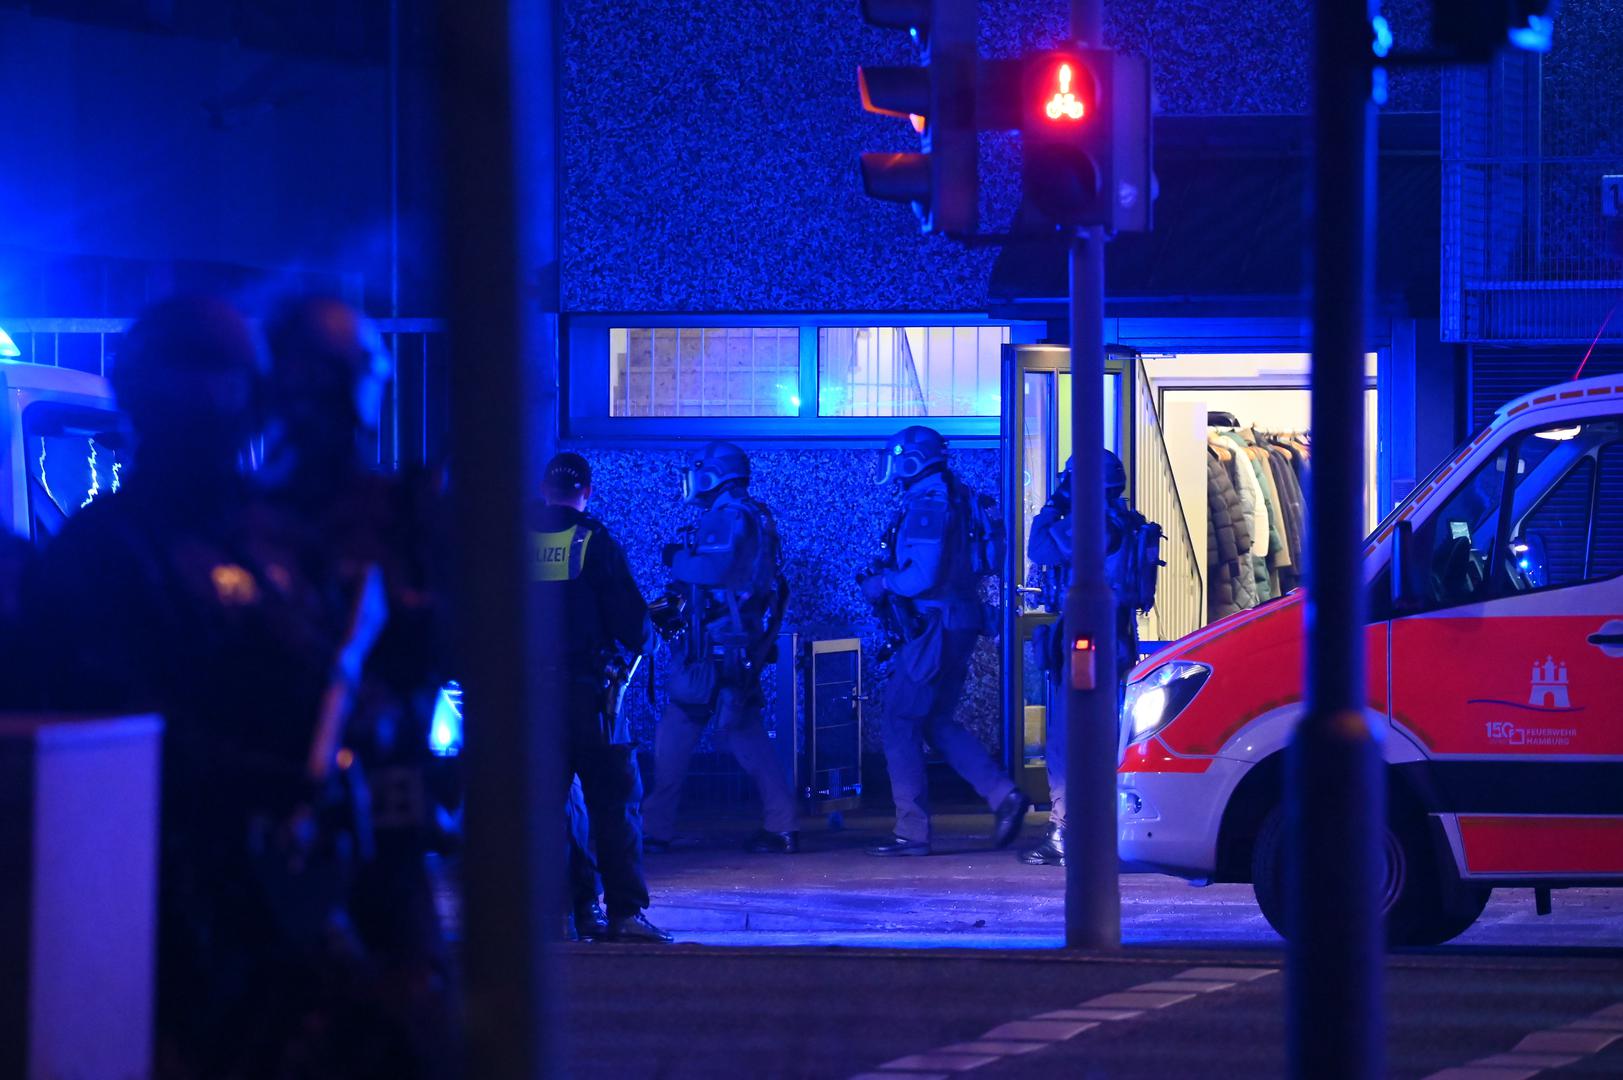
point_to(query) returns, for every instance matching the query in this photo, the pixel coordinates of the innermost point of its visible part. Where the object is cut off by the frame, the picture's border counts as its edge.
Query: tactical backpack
(987, 538)
(1134, 567)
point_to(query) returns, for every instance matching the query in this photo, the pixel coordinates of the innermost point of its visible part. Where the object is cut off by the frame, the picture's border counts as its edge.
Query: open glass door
(1036, 441)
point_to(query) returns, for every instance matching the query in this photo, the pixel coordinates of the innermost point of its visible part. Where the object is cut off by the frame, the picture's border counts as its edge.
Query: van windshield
(73, 455)
(1397, 508)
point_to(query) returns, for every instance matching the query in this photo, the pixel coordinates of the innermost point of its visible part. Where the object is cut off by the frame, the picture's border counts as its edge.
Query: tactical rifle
(898, 615)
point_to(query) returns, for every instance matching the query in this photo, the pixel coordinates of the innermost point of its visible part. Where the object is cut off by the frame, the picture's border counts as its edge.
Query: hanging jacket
(1295, 511)
(1277, 548)
(1250, 498)
(1229, 589)
(1262, 526)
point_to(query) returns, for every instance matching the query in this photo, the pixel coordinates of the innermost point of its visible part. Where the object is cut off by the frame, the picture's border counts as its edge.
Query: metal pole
(1092, 889)
(1335, 808)
(513, 861)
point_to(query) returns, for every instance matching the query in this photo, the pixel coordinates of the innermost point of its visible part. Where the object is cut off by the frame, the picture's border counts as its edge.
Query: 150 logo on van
(1549, 692)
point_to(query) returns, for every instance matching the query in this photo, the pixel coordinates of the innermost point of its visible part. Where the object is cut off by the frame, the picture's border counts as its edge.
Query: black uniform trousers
(613, 788)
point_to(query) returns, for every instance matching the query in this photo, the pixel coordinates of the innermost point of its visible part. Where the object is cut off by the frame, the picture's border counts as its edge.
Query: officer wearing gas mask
(580, 571)
(728, 569)
(1050, 549)
(936, 563)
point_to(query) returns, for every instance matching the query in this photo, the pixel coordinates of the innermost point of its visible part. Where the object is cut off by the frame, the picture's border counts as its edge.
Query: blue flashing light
(1378, 86)
(794, 401)
(1536, 36)
(1383, 36)
(8, 348)
(445, 729)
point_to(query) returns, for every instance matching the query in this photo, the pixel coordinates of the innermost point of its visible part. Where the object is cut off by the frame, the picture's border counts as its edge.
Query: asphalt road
(696, 1011)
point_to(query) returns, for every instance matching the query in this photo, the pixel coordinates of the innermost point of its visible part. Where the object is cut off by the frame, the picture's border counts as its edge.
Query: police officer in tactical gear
(166, 596)
(1050, 549)
(931, 567)
(605, 613)
(730, 568)
(359, 528)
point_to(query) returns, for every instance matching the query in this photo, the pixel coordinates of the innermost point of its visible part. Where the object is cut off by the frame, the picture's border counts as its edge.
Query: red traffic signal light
(1061, 92)
(1084, 118)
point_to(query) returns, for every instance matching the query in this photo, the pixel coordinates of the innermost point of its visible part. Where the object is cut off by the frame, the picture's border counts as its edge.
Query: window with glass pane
(1562, 531)
(910, 370)
(704, 371)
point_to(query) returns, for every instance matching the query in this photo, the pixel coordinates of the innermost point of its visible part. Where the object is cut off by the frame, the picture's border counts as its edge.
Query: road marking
(1058, 1025)
(1552, 1048)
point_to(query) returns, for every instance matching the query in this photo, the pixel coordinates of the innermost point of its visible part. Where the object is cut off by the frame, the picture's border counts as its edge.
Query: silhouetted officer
(164, 597)
(603, 613)
(358, 530)
(935, 567)
(1050, 548)
(729, 570)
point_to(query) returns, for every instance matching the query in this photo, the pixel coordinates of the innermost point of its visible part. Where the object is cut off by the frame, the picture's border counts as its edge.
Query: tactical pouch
(920, 659)
(693, 683)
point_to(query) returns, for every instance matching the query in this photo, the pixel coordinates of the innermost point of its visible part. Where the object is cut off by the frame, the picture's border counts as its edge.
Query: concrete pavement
(968, 896)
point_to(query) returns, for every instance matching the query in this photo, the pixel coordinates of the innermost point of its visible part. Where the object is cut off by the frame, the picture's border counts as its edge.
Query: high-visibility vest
(558, 556)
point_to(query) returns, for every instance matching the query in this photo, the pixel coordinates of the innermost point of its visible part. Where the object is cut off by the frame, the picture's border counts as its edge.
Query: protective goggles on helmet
(699, 481)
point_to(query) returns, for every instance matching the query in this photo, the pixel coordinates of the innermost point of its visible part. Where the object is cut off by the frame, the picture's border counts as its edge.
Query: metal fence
(415, 418)
(1529, 252)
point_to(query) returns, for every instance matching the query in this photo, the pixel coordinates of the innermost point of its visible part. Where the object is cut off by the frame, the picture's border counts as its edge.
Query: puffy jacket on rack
(1230, 585)
(1295, 512)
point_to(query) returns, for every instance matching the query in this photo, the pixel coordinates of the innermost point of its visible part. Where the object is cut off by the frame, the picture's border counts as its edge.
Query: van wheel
(1422, 900)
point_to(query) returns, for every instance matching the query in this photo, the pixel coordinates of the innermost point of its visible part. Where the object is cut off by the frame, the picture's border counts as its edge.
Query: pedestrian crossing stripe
(558, 556)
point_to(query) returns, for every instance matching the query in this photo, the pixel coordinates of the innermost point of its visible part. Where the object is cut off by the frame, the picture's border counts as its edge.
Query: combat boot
(637, 930)
(1051, 852)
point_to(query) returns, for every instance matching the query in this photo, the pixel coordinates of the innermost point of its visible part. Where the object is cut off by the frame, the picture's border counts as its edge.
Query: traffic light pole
(1335, 784)
(1092, 888)
(496, 72)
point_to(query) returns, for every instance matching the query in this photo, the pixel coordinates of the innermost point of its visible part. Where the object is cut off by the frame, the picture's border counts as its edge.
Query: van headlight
(1155, 701)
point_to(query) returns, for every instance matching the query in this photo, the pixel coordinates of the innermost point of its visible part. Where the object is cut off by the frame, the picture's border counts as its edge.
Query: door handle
(1609, 638)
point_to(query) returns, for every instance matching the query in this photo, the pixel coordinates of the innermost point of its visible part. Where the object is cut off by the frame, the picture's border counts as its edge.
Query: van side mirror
(1408, 576)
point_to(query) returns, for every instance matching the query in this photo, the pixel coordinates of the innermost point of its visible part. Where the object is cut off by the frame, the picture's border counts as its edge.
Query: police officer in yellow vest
(729, 570)
(606, 613)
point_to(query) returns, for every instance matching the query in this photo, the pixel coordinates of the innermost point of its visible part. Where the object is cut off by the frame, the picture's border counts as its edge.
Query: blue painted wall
(710, 146)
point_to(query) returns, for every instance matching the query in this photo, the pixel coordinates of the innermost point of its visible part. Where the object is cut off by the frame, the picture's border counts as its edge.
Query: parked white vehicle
(62, 443)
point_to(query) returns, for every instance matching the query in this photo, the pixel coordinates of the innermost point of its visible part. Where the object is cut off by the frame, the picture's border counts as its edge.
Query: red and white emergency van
(1495, 676)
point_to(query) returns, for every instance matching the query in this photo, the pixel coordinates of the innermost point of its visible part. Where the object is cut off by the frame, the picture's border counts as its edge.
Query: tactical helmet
(911, 451)
(719, 463)
(328, 364)
(188, 373)
(1115, 477)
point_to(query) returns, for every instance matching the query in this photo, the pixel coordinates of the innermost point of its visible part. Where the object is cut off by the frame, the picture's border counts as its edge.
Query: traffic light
(1479, 29)
(1084, 119)
(938, 96)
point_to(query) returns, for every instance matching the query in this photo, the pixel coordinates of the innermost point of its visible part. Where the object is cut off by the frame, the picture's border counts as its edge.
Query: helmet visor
(892, 469)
